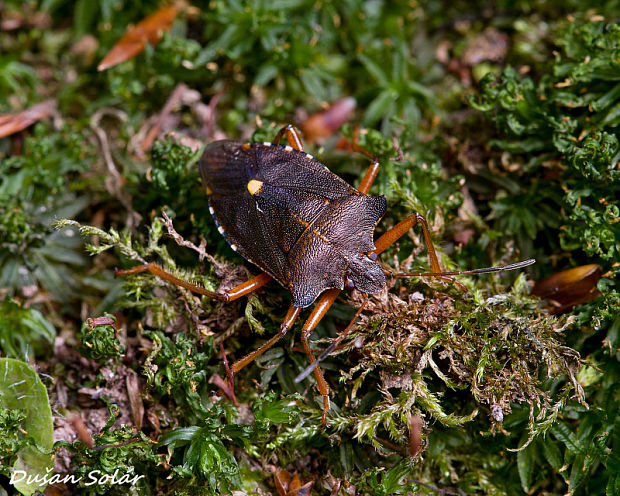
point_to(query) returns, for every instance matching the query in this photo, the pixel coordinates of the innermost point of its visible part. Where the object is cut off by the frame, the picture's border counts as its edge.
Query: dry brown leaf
(290, 485)
(135, 398)
(326, 122)
(566, 289)
(282, 480)
(149, 30)
(13, 123)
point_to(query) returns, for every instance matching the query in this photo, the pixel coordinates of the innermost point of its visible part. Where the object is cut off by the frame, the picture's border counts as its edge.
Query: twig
(113, 184)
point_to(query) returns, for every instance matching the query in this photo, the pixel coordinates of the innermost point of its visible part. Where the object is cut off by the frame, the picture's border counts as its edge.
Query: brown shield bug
(305, 227)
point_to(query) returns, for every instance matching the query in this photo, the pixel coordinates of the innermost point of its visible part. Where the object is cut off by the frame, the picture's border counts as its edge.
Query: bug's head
(365, 274)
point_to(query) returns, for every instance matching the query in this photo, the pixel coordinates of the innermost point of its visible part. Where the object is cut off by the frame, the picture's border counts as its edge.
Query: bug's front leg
(396, 232)
(287, 324)
(321, 308)
(372, 170)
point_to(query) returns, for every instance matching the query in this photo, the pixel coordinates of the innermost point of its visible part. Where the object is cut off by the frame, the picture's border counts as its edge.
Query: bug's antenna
(514, 266)
(308, 370)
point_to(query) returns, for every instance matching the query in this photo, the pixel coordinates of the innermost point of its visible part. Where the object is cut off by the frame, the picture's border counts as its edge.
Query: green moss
(100, 339)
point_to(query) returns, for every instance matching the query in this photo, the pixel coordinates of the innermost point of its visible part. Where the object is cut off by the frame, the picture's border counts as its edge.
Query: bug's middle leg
(287, 324)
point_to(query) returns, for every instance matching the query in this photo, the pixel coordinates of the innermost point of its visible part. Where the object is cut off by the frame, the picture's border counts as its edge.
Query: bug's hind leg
(373, 168)
(292, 136)
(396, 232)
(237, 292)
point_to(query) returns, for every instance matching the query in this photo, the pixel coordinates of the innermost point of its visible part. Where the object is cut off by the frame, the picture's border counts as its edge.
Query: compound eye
(349, 285)
(373, 256)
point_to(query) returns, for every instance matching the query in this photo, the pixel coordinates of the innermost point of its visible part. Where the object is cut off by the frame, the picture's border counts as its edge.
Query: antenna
(515, 266)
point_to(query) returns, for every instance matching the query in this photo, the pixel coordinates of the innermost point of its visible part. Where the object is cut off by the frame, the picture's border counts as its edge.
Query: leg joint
(222, 296)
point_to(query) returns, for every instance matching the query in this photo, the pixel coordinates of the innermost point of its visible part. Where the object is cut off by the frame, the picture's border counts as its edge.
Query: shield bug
(303, 226)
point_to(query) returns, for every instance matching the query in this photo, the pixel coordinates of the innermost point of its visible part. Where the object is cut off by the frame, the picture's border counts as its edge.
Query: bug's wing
(226, 168)
(351, 222)
(293, 170)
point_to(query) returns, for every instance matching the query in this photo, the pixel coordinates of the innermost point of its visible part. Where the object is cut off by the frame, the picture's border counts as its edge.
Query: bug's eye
(373, 256)
(349, 285)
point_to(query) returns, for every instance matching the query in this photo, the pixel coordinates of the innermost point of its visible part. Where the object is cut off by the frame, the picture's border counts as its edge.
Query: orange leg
(292, 136)
(287, 324)
(308, 370)
(231, 390)
(369, 177)
(231, 295)
(235, 293)
(321, 308)
(396, 232)
(289, 320)
(391, 236)
(373, 169)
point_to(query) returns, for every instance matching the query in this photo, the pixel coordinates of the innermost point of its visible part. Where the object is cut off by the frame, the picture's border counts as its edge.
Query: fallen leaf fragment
(135, 399)
(13, 123)
(288, 484)
(100, 321)
(149, 30)
(80, 429)
(566, 289)
(415, 435)
(326, 122)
